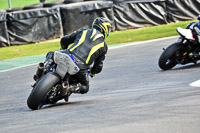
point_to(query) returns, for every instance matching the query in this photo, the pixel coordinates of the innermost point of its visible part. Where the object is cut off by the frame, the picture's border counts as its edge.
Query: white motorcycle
(185, 50)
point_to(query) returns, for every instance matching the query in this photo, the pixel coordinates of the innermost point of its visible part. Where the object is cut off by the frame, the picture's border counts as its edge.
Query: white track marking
(18, 67)
(195, 83)
(141, 42)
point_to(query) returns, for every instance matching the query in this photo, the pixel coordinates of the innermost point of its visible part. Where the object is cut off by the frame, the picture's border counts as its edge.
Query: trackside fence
(47, 21)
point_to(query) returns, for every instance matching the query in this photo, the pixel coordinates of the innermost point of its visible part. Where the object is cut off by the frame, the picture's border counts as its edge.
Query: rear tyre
(39, 92)
(167, 59)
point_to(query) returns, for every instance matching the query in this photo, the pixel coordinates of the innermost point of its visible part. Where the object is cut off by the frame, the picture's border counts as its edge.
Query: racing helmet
(103, 25)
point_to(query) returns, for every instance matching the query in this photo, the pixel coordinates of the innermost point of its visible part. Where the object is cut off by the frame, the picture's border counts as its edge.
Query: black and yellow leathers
(87, 47)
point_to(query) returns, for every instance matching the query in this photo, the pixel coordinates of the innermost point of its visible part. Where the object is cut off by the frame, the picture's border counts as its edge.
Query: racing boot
(74, 88)
(78, 88)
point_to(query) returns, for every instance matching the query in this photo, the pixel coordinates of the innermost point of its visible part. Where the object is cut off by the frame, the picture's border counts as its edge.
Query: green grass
(28, 50)
(19, 3)
(114, 38)
(146, 33)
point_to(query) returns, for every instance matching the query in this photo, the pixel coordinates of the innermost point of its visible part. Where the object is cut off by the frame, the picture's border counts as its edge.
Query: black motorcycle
(185, 50)
(52, 81)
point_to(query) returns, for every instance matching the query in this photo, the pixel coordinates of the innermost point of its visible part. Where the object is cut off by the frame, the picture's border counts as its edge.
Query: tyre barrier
(73, 14)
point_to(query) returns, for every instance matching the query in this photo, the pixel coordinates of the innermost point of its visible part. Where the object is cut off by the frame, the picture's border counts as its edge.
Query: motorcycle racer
(195, 28)
(87, 46)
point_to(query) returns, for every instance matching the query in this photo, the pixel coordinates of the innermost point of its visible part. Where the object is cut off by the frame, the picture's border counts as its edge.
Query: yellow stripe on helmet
(105, 28)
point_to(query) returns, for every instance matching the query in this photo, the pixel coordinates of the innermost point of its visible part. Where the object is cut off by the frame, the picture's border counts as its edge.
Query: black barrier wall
(134, 14)
(75, 16)
(34, 25)
(40, 24)
(182, 10)
(4, 40)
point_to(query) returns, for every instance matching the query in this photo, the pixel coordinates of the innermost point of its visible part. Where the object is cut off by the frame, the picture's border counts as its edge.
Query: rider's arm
(195, 30)
(191, 25)
(67, 40)
(98, 64)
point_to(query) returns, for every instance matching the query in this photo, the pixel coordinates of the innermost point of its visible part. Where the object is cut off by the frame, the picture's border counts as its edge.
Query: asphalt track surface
(131, 95)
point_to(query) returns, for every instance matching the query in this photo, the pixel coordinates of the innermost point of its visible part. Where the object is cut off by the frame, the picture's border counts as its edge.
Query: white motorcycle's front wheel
(167, 59)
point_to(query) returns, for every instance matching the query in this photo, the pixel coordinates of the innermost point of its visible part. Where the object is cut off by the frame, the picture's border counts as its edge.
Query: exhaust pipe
(65, 84)
(39, 71)
(65, 87)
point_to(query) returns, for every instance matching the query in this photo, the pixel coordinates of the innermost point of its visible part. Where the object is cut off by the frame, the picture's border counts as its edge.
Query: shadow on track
(61, 104)
(183, 67)
(68, 104)
(189, 66)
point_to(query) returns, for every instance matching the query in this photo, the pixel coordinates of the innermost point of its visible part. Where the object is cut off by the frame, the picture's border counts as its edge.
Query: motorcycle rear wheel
(40, 91)
(167, 59)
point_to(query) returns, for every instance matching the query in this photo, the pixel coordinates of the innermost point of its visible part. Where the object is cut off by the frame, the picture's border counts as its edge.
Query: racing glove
(91, 74)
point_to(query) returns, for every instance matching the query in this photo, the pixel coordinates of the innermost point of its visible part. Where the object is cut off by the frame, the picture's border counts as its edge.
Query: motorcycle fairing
(65, 64)
(187, 33)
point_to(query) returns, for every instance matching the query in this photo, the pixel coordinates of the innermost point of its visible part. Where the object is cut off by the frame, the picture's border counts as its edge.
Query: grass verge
(117, 37)
(19, 3)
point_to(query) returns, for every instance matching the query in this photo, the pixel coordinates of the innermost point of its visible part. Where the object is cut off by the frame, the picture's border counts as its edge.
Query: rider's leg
(83, 85)
(80, 84)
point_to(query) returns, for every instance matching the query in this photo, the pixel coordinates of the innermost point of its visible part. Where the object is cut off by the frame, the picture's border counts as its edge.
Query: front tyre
(40, 91)
(167, 59)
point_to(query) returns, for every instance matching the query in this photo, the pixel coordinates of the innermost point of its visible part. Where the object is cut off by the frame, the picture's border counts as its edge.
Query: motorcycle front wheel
(167, 59)
(40, 91)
